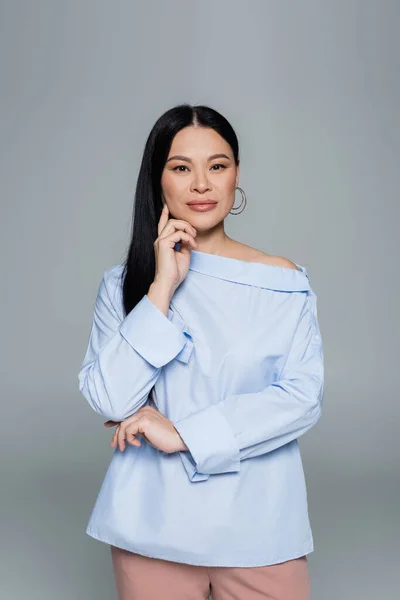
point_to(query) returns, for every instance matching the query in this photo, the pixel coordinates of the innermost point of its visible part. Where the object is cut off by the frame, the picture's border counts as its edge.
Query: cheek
(228, 183)
(172, 186)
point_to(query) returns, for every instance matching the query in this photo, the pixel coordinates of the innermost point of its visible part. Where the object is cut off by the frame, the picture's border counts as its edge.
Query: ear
(237, 175)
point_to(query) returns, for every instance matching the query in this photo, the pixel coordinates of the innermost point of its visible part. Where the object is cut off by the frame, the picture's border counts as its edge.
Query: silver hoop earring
(236, 209)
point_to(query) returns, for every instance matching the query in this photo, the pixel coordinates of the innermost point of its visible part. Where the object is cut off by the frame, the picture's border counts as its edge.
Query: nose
(200, 182)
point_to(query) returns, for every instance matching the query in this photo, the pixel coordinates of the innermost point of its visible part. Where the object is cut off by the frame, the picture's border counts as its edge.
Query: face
(200, 167)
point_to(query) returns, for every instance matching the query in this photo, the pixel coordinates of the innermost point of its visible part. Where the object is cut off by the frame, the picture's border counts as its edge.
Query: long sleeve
(124, 356)
(246, 425)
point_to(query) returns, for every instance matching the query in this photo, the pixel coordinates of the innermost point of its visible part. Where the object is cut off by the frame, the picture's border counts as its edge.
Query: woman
(207, 355)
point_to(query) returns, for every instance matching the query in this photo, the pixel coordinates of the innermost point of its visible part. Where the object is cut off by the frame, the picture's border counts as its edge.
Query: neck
(213, 241)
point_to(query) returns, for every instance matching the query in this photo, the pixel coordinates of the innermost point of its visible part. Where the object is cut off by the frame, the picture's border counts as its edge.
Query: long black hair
(139, 265)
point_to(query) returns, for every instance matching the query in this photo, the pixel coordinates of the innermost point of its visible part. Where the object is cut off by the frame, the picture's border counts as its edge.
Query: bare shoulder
(247, 253)
(276, 261)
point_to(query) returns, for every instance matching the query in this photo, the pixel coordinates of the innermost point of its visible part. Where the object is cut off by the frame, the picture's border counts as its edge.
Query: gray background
(312, 89)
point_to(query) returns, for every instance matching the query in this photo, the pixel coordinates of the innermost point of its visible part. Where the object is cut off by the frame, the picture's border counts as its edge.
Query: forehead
(201, 141)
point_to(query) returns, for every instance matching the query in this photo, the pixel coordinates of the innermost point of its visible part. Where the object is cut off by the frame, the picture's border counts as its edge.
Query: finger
(121, 438)
(163, 218)
(173, 225)
(177, 236)
(185, 248)
(114, 439)
(132, 439)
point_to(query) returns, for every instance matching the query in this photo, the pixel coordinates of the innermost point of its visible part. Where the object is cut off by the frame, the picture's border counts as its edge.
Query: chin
(202, 221)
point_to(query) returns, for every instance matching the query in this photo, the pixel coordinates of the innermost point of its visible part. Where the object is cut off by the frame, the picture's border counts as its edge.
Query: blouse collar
(257, 274)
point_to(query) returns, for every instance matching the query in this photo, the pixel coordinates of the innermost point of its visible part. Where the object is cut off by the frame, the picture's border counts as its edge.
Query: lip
(202, 205)
(205, 201)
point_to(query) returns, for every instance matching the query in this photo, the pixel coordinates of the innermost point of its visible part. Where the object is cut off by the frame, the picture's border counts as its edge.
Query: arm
(246, 425)
(125, 356)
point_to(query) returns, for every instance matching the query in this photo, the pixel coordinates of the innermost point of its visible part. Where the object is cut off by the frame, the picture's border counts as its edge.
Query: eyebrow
(189, 160)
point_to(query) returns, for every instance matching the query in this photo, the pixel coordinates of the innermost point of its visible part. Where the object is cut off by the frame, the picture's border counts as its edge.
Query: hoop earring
(236, 209)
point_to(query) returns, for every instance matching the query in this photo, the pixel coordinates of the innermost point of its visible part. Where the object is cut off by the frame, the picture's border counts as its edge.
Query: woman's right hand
(171, 265)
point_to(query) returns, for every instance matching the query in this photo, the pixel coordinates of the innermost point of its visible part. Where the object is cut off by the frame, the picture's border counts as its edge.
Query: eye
(179, 168)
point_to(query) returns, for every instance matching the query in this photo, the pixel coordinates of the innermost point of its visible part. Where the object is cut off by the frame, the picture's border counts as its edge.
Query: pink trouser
(140, 577)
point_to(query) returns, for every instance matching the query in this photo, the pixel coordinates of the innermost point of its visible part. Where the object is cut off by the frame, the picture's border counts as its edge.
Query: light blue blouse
(237, 366)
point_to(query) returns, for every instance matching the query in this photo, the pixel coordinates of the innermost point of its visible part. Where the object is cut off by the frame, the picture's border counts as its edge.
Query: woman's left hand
(155, 428)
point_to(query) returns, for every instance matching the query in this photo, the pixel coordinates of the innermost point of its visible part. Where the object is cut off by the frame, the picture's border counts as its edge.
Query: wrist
(160, 294)
(182, 445)
(162, 288)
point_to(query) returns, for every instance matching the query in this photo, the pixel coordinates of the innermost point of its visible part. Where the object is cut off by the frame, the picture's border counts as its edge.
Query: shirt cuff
(152, 334)
(211, 442)
(190, 467)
